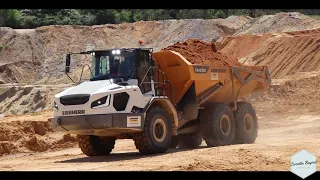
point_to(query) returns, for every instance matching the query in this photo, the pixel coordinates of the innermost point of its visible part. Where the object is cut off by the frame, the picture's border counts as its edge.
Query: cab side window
(143, 68)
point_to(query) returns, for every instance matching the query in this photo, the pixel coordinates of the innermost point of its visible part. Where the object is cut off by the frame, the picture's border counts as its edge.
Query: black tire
(96, 145)
(246, 124)
(217, 125)
(147, 141)
(192, 141)
(174, 142)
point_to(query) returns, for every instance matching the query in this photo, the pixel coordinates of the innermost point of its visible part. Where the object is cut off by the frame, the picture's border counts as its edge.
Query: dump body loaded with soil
(160, 100)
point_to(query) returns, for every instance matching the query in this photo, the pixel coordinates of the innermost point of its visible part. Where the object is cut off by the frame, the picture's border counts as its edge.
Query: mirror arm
(70, 78)
(68, 62)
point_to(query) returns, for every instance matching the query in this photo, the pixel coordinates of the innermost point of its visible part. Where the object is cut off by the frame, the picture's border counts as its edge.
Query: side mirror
(67, 69)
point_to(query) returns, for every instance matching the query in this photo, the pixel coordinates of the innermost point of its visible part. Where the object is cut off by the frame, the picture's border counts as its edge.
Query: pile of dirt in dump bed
(200, 52)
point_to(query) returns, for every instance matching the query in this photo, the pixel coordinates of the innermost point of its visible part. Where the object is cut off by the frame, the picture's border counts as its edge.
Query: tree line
(32, 18)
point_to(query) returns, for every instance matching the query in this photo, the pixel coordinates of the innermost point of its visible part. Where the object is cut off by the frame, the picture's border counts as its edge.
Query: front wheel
(157, 132)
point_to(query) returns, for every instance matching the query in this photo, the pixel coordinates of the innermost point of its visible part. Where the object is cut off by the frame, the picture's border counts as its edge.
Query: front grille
(74, 99)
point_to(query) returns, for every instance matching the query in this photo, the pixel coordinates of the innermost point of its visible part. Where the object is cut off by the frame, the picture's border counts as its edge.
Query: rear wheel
(192, 140)
(246, 123)
(156, 136)
(96, 145)
(217, 125)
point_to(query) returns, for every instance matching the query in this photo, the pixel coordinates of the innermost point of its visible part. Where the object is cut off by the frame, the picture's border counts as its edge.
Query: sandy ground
(284, 53)
(280, 137)
(18, 99)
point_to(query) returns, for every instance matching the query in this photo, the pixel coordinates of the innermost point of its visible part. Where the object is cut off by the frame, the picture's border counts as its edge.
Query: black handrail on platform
(165, 81)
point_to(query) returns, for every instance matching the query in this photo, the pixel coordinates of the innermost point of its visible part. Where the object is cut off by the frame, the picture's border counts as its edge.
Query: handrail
(82, 72)
(165, 81)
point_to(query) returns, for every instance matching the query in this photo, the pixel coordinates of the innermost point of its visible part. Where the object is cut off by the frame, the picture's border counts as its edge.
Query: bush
(32, 18)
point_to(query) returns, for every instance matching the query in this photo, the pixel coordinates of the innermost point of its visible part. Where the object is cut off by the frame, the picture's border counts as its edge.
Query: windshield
(115, 66)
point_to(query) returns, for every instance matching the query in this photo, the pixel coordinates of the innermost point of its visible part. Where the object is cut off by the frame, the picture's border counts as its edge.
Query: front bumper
(123, 121)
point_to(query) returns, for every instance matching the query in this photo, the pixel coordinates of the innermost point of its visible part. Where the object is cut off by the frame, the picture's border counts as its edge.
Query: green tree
(32, 18)
(9, 17)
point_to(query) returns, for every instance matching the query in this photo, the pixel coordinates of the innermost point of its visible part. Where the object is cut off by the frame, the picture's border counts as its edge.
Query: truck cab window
(143, 68)
(104, 64)
(112, 66)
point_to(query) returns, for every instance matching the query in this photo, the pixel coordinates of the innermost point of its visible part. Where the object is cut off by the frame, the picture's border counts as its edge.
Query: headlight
(116, 51)
(55, 106)
(102, 101)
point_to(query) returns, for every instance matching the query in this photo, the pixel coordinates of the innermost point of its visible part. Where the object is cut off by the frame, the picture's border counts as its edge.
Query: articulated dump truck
(160, 100)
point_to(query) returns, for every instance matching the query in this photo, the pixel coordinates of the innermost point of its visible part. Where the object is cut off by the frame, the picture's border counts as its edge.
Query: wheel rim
(225, 125)
(248, 123)
(159, 130)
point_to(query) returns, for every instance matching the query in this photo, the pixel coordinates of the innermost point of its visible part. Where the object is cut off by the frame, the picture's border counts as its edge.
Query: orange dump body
(236, 81)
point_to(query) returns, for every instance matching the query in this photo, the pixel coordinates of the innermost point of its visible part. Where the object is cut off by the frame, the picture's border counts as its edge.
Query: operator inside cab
(106, 65)
(115, 67)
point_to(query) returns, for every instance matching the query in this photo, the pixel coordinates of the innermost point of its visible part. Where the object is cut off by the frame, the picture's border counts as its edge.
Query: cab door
(142, 64)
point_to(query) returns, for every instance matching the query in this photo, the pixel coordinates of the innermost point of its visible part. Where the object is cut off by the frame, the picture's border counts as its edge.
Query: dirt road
(280, 137)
